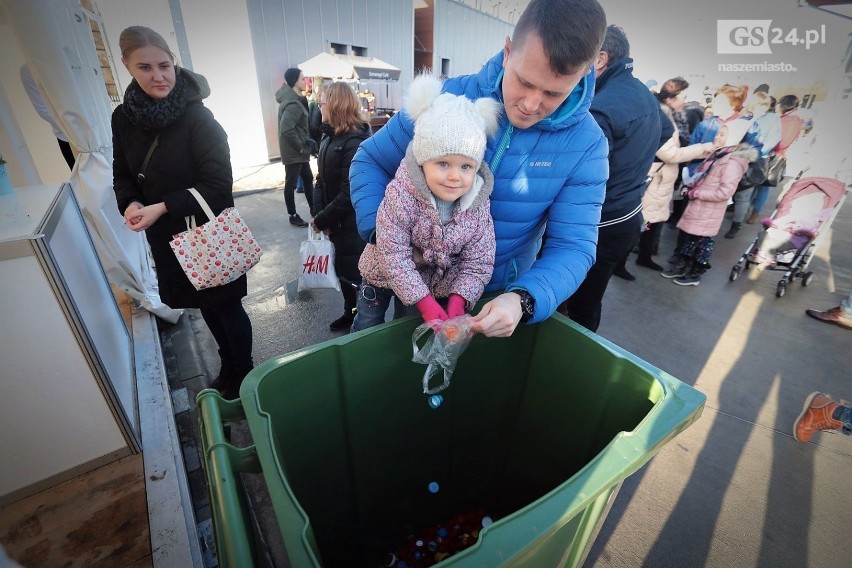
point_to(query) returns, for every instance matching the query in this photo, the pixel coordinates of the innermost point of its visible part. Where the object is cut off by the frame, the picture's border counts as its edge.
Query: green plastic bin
(539, 429)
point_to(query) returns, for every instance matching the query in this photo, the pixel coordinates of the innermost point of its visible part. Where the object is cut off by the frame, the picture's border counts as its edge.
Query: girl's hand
(455, 306)
(130, 213)
(141, 217)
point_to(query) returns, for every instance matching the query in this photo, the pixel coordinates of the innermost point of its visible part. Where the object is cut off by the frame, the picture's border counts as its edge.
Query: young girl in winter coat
(709, 190)
(435, 241)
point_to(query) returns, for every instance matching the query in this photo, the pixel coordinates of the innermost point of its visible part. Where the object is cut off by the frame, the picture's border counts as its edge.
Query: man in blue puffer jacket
(549, 160)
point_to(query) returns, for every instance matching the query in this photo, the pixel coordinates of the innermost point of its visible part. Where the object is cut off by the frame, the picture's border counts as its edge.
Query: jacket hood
(746, 151)
(476, 196)
(286, 94)
(196, 85)
(490, 80)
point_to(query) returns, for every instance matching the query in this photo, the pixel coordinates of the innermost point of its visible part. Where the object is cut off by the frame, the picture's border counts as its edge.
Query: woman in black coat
(343, 131)
(163, 103)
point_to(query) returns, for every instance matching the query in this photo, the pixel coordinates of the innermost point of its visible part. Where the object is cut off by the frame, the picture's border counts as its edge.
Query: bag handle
(140, 177)
(315, 235)
(190, 220)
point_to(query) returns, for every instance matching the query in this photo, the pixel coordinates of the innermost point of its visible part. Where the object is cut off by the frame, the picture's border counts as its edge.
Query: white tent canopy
(350, 67)
(58, 46)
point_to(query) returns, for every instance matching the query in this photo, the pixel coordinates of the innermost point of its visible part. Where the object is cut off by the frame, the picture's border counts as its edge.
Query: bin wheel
(735, 273)
(807, 278)
(781, 289)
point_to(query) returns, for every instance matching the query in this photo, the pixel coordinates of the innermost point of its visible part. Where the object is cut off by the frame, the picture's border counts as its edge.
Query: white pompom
(489, 109)
(421, 94)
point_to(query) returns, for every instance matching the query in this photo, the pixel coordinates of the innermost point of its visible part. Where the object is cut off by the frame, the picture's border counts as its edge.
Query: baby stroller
(795, 230)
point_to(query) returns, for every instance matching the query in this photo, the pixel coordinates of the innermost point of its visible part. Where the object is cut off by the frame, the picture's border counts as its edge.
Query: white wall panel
(466, 37)
(285, 33)
(219, 40)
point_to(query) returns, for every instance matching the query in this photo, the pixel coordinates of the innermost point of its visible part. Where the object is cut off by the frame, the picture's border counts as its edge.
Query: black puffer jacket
(191, 152)
(332, 195)
(635, 128)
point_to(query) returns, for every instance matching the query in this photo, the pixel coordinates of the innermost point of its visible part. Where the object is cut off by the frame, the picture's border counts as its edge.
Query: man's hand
(499, 317)
(139, 218)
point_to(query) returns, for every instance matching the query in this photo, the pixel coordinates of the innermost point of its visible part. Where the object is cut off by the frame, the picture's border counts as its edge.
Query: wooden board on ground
(96, 519)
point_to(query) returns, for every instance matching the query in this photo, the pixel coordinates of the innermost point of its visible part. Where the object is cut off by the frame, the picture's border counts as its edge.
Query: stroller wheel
(807, 278)
(735, 272)
(781, 289)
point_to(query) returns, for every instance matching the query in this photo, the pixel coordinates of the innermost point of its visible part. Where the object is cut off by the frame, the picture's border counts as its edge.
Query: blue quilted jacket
(549, 182)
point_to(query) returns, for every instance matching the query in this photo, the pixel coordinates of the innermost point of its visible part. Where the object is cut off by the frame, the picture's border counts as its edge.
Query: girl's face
(449, 177)
(760, 110)
(721, 137)
(153, 69)
(722, 107)
(677, 102)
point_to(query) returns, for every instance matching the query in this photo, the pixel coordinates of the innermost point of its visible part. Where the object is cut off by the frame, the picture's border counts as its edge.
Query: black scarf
(148, 112)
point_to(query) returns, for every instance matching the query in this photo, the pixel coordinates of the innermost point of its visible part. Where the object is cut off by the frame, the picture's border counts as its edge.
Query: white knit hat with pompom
(447, 124)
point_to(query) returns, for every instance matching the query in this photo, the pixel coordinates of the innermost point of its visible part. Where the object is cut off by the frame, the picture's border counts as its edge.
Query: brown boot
(817, 415)
(753, 218)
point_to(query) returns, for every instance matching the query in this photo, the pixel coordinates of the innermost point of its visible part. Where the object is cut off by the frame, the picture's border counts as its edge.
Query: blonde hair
(735, 95)
(136, 37)
(342, 107)
(757, 100)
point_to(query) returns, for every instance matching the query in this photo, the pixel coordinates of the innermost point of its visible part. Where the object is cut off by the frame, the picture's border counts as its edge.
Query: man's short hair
(788, 102)
(615, 44)
(571, 31)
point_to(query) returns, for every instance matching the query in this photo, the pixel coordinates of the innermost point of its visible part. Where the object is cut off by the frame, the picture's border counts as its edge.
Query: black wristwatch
(527, 304)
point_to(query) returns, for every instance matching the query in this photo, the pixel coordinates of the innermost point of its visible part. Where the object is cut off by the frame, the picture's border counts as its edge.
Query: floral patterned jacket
(415, 255)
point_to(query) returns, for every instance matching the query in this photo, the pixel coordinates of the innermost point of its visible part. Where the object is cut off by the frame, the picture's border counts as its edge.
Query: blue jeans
(373, 302)
(759, 197)
(847, 305)
(846, 418)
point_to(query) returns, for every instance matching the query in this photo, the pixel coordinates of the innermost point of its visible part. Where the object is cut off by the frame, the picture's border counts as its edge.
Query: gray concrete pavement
(735, 489)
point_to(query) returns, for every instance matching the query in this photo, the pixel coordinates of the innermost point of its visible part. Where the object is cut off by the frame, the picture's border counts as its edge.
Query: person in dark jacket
(163, 103)
(635, 128)
(343, 131)
(294, 142)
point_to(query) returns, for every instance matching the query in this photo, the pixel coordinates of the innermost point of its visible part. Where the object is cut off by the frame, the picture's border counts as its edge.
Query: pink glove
(456, 306)
(431, 310)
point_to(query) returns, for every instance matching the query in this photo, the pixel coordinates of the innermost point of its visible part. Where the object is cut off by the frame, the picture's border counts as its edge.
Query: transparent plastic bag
(442, 349)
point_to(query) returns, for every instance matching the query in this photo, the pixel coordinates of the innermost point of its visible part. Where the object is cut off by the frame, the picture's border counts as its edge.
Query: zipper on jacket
(501, 149)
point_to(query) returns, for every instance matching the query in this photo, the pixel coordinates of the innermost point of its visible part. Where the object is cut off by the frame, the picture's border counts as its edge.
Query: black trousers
(614, 244)
(650, 240)
(291, 173)
(231, 328)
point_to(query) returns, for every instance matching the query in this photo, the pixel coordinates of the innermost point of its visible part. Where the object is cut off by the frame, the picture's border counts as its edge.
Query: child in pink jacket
(713, 184)
(435, 240)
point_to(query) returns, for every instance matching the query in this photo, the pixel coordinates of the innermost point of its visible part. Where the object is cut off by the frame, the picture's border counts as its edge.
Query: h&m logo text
(316, 265)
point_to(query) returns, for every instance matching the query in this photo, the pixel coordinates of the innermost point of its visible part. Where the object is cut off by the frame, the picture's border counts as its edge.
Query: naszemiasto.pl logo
(758, 36)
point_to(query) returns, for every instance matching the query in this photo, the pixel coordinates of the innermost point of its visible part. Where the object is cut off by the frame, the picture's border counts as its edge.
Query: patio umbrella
(351, 67)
